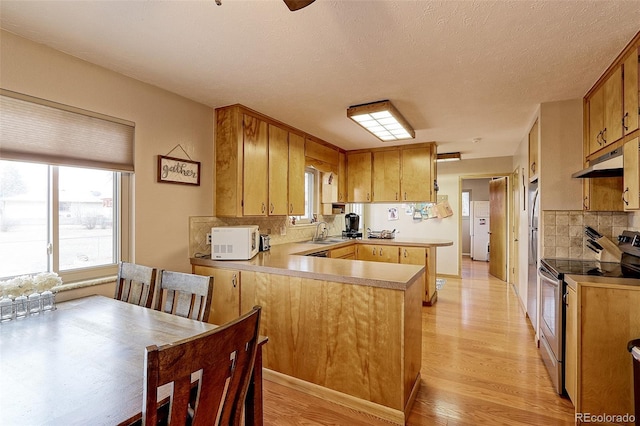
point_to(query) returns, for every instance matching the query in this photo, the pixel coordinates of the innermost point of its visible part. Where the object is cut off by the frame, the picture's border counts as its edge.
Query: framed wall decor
(178, 170)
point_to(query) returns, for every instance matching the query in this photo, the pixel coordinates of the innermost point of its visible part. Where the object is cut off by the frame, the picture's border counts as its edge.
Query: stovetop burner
(589, 267)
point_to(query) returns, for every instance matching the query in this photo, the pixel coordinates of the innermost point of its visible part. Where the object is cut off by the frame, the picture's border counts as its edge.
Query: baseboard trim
(377, 410)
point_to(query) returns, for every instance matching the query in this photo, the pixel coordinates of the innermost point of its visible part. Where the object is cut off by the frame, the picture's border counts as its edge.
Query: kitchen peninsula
(345, 330)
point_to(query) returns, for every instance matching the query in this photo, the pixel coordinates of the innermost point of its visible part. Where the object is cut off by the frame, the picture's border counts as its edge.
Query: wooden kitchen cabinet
(603, 194)
(534, 166)
(348, 252)
(278, 144)
(631, 109)
(631, 178)
(426, 257)
(571, 346)
(256, 166)
(418, 173)
(296, 174)
(359, 177)
(605, 113)
(377, 253)
(342, 177)
(225, 303)
(242, 164)
(386, 175)
(596, 345)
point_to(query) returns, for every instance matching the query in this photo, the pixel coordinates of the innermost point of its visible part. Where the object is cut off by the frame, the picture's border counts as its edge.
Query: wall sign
(178, 170)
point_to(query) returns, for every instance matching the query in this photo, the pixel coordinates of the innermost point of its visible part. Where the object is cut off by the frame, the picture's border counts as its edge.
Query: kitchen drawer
(343, 252)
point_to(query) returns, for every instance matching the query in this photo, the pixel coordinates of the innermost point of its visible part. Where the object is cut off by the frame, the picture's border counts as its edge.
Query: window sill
(86, 283)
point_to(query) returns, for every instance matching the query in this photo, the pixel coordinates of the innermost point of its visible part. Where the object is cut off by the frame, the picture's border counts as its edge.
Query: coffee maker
(352, 225)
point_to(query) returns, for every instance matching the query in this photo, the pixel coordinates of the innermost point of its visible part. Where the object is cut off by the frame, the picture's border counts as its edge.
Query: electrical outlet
(208, 238)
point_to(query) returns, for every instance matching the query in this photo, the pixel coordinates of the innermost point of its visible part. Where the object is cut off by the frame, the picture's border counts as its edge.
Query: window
(64, 189)
(309, 193)
(59, 219)
(465, 203)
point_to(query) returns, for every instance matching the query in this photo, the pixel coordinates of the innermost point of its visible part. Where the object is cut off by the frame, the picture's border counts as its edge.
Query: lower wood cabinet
(571, 349)
(601, 318)
(348, 252)
(225, 304)
(405, 255)
(377, 253)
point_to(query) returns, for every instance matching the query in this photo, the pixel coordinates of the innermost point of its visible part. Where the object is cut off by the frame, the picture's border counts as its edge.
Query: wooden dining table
(83, 363)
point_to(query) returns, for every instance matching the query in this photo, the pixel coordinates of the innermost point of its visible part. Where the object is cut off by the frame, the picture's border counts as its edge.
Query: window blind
(37, 130)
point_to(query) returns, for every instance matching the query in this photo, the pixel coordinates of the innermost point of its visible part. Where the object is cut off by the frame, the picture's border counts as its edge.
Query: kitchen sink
(326, 241)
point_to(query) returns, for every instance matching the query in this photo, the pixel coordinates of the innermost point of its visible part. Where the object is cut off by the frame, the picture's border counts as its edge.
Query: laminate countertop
(291, 259)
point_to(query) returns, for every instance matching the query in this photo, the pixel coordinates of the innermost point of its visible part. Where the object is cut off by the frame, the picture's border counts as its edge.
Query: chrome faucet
(319, 236)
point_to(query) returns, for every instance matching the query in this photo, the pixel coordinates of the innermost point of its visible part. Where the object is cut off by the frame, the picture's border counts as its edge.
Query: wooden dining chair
(185, 295)
(136, 284)
(225, 357)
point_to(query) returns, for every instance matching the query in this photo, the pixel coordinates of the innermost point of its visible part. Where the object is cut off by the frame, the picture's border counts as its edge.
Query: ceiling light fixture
(448, 156)
(382, 119)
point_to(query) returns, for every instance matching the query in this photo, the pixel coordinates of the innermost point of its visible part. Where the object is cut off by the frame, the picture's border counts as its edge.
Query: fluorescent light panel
(448, 156)
(382, 120)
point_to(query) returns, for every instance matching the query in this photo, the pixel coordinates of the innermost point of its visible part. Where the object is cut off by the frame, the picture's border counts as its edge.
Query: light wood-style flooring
(480, 365)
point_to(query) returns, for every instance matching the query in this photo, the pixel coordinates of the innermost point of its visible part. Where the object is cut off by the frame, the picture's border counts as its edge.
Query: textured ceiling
(457, 70)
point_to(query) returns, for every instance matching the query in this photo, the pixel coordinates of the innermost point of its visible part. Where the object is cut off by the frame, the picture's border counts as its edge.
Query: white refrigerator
(479, 228)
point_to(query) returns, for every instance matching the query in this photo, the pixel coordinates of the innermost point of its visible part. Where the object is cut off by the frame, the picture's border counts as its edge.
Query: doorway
(480, 239)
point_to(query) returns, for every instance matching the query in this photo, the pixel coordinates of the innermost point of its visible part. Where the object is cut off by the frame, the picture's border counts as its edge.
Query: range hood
(607, 165)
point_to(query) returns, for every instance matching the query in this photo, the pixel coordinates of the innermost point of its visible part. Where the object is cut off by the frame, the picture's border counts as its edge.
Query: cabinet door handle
(368, 196)
(264, 208)
(533, 167)
(373, 251)
(396, 196)
(380, 251)
(405, 252)
(626, 191)
(234, 280)
(624, 121)
(291, 208)
(604, 136)
(599, 138)
(271, 207)
(585, 203)
(405, 196)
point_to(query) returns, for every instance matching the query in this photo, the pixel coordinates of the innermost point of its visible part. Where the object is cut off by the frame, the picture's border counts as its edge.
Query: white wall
(449, 177)
(163, 120)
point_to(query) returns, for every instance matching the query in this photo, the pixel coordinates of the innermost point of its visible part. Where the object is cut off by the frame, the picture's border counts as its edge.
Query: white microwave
(234, 242)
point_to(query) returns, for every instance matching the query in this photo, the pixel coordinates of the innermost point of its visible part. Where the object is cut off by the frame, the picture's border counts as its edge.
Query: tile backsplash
(278, 227)
(563, 231)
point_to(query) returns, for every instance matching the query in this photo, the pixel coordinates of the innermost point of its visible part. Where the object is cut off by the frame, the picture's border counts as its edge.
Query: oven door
(551, 310)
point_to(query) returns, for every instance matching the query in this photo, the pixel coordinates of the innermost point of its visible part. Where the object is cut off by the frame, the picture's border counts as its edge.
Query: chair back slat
(225, 357)
(185, 295)
(135, 284)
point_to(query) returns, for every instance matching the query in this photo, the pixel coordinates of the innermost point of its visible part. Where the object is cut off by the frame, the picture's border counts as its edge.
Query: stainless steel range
(553, 296)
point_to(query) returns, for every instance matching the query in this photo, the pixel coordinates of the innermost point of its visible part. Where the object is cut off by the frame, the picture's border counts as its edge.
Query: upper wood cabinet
(278, 174)
(256, 169)
(359, 177)
(534, 166)
(631, 110)
(321, 156)
(401, 173)
(603, 194)
(342, 177)
(418, 173)
(605, 112)
(296, 174)
(386, 175)
(631, 192)
(255, 166)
